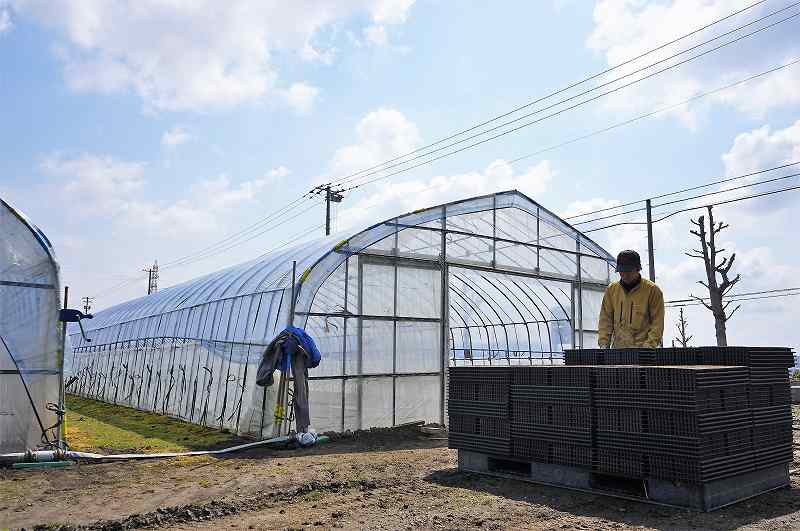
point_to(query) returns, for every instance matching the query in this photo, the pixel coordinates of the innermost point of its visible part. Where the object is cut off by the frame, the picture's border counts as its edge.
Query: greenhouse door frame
(396, 262)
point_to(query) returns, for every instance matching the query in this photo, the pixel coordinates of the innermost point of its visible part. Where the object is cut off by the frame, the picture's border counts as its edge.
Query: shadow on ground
(768, 506)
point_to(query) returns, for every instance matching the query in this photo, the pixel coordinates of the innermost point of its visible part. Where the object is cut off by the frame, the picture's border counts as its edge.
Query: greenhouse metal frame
(496, 279)
(31, 336)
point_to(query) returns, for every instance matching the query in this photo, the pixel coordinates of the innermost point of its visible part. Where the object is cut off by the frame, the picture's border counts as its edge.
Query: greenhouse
(489, 280)
(30, 336)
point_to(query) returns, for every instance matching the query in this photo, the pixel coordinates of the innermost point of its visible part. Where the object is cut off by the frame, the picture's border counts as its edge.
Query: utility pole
(152, 278)
(87, 304)
(331, 196)
(650, 251)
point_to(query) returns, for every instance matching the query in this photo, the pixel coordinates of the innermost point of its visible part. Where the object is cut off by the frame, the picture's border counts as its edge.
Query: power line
(240, 237)
(551, 94)
(579, 104)
(782, 295)
(648, 115)
(240, 233)
(780, 190)
(296, 237)
(214, 252)
(726, 190)
(760, 292)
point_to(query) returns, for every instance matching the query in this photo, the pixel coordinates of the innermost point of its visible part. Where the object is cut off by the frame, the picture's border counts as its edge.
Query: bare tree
(682, 325)
(715, 265)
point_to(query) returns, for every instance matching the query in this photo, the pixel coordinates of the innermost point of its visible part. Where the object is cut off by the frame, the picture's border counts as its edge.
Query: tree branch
(727, 318)
(701, 301)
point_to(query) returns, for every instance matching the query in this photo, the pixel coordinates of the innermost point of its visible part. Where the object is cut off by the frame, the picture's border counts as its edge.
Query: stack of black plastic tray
(687, 423)
(689, 415)
(729, 419)
(478, 406)
(551, 414)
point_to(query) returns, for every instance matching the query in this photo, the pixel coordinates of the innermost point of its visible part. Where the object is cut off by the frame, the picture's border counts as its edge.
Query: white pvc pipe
(52, 455)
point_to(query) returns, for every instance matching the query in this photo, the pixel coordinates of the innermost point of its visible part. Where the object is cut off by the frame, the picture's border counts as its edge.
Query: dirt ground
(384, 480)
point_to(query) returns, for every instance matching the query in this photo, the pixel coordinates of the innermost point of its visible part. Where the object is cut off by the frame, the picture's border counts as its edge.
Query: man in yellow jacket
(632, 314)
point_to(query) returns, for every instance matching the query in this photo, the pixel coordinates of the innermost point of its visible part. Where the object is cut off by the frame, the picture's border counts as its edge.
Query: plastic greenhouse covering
(490, 280)
(30, 335)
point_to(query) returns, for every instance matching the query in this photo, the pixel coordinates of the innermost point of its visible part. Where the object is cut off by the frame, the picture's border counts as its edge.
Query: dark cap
(628, 261)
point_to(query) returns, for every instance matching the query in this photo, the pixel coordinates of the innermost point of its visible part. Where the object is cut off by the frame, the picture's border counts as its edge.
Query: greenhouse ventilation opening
(31, 355)
(490, 280)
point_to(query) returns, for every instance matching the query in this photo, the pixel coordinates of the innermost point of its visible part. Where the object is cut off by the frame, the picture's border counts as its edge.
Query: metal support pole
(61, 389)
(650, 250)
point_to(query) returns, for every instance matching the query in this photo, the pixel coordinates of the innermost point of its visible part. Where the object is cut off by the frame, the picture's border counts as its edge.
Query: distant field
(94, 426)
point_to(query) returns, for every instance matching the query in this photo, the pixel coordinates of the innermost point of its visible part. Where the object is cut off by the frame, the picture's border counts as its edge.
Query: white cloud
(762, 148)
(278, 173)
(376, 35)
(756, 150)
(406, 196)
(196, 56)
(101, 186)
(390, 11)
(626, 28)
(382, 134)
(98, 184)
(199, 213)
(175, 137)
(5, 20)
(301, 97)
(577, 208)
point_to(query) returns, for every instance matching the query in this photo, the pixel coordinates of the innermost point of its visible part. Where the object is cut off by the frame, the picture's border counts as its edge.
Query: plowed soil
(396, 479)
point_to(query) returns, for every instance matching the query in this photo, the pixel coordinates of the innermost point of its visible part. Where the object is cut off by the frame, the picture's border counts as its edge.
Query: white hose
(52, 455)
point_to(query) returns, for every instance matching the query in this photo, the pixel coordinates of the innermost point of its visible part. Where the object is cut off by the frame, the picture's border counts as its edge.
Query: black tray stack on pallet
(697, 427)
(551, 415)
(478, 406)
(674, 423)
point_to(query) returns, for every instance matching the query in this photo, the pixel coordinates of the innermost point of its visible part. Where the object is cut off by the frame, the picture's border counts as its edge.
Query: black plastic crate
(559, 434)
(549, 452)
(525, 411)
(629, 464)
(703, 401)
(724, 421)
(551, 394)
(613, 377)
(763, 416)
(694, 378)
(772, 455)
(620, 419)
(769, 375)
(479, 408)
(552, 375)
(749, 356)
(694, 470)
(680, 423)
(648, 443)
(479, 425)
(479, 383)
(479, 443)
(765, 395)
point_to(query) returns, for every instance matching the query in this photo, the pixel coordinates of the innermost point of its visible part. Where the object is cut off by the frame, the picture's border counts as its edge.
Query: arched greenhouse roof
(316, 259)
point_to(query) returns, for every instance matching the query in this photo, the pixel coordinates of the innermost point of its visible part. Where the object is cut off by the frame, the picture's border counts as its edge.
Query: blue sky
(135, 131)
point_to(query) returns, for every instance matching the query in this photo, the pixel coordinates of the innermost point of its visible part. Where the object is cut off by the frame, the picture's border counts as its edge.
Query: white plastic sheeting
(30, 338)
(493, 279)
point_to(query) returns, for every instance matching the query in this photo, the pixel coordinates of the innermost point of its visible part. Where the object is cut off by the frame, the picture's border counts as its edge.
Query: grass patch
(94, 426)
(313, 496)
